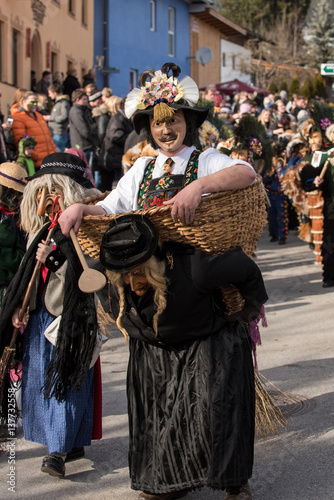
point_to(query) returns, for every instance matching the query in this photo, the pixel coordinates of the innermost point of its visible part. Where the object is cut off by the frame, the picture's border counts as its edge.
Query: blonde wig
(154, 271)
(72, 192)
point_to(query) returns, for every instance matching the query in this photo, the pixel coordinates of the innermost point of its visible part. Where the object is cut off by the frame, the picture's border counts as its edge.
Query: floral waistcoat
(153, 192)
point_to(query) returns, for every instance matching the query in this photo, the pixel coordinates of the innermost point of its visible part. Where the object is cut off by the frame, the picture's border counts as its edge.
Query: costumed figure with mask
(298, 211)
(12, 248)
(180, 174)
(319, 147)
(190, 382)
(12, 238)
(278, 209)
(318, 177)
(251, 143)
(59, 338)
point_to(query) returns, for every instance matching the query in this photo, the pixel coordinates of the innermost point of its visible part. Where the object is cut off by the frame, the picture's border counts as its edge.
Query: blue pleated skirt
(59, 426)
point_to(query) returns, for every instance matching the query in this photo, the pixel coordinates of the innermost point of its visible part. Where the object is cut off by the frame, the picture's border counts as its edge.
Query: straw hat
(13, 176)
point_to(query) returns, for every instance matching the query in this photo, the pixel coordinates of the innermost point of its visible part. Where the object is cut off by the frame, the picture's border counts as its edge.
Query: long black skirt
(191, 413)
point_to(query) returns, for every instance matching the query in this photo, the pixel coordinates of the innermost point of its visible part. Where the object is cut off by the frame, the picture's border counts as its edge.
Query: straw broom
(268, 416)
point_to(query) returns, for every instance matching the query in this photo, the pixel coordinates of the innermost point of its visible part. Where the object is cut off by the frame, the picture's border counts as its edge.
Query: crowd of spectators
(61, 113)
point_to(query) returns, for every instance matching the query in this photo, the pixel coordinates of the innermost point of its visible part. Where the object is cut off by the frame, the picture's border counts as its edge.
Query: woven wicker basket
(223, 221)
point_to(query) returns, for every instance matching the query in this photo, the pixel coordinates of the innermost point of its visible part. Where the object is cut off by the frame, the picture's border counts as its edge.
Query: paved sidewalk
(296, 355)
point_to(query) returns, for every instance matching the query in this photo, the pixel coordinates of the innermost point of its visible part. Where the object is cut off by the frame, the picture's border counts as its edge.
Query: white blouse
(124, 197)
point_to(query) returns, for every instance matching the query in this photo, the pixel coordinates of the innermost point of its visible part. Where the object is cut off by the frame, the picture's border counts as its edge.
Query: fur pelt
(142, 148)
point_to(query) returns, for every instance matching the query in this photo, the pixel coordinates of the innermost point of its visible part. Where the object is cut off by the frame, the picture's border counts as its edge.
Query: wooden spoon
(90, 280)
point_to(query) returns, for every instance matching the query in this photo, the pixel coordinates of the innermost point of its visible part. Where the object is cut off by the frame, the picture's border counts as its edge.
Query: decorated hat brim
(62, 171)
(200, 113)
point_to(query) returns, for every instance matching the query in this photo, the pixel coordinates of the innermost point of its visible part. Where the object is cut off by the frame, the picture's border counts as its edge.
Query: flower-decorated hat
(160, 95)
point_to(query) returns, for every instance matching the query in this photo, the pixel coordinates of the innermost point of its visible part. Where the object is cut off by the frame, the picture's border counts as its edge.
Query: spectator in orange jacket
(28, 121)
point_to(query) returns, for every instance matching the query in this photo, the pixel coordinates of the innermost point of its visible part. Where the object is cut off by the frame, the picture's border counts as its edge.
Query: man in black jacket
(110, 159)
(71, 82)
(82, 133)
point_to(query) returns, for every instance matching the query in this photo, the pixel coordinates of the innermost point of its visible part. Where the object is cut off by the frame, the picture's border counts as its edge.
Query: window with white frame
(133, 78)
(171, 31)
(223, 59)
(152, 14)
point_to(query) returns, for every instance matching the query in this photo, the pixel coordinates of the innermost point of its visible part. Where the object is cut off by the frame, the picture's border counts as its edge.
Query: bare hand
(6, 126)
(185, 203)
(16, 321)
(71, 218)
(43, 251)
(318, 180)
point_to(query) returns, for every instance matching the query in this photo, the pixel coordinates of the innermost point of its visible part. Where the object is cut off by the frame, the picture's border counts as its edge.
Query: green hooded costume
(24, 160)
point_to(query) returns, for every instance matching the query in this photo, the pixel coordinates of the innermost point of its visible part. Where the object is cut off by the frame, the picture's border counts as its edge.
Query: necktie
(168, 165)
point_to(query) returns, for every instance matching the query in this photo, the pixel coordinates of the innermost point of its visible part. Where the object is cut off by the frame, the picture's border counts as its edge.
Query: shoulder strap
(192, 167)
(147, 177)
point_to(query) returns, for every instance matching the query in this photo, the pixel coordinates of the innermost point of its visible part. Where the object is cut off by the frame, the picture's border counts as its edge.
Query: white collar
(179, 158)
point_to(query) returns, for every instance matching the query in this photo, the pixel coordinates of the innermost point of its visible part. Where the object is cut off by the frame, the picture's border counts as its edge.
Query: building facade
(230, 58)
(36, 35)
(134, 35)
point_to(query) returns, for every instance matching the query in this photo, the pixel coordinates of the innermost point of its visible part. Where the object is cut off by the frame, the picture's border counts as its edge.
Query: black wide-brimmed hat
(129, 241)
(162, 95)
(64, 164)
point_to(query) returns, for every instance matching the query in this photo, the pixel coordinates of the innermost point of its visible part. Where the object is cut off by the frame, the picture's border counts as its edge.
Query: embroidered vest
(153, 192)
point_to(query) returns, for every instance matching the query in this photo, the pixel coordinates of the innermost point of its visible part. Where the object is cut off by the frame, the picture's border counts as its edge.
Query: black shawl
(78, 327)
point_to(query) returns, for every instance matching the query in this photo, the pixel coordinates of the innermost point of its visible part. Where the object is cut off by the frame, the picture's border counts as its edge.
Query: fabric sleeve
(124, 197)
(235, 268)
(82, 125)
(62, 115)
(18, 129)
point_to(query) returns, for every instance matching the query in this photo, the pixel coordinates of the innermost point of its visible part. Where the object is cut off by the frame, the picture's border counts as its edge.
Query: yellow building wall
(49, 37)
(204, 35)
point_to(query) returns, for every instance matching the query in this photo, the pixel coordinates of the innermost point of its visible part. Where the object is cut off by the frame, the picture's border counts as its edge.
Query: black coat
(70, 84)
(82, 133)
(195, 308)
(119, 127)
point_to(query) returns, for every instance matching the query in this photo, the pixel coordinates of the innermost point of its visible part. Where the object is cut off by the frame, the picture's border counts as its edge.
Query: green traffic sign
(327, 69)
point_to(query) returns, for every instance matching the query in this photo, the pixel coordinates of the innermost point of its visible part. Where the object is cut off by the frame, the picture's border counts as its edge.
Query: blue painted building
(134, 35)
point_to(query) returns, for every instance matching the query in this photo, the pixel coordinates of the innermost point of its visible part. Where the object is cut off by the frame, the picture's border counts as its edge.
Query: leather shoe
(327, 283)
(239, 493)
(164, 496)
(75, 453)
(53, 465)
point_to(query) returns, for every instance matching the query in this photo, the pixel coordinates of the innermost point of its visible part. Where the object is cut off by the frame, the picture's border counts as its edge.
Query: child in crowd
(26, 149)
